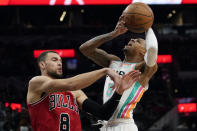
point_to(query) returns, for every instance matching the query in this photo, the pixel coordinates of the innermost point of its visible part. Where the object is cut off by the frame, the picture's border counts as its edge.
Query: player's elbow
(155, 68)
(85, 50)
(82, 48)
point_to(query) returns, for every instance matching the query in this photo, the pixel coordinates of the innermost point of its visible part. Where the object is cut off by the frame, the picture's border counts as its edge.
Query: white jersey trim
(39, 101)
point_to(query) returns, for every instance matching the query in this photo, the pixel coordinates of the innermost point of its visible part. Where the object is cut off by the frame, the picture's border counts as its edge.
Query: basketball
(138, 17)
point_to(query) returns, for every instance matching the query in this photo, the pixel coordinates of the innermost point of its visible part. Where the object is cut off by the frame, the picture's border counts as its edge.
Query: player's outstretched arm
(46, 84)
(106, 110)
(99, 56)
(43, 84)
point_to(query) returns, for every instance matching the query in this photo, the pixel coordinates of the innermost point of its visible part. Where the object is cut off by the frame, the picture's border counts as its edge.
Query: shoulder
(115, 63)
(145, 69)
(34, 88)
(114, 57)
(38, 79)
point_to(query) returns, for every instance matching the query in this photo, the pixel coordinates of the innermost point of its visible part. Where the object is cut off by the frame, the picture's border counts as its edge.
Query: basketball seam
(147, 9)
(143, 23)
(138, 14)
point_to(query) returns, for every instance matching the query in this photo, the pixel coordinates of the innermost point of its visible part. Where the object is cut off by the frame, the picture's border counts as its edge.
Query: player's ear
(42, 65)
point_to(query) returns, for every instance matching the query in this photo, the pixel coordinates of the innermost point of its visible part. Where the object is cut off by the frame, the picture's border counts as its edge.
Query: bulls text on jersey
(58, 101)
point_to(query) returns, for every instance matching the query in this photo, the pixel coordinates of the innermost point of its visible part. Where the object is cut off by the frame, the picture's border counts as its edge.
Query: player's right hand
(115, 77)
(128, 80)
(120, 27)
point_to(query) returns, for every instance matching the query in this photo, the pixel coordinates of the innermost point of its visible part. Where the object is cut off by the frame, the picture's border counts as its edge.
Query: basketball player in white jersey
(140, 55)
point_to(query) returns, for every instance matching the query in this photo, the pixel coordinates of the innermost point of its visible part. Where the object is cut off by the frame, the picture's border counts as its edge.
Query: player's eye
(54, 59)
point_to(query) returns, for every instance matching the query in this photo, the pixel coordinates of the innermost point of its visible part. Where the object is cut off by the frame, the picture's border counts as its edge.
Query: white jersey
(119, 125)
(130, 97)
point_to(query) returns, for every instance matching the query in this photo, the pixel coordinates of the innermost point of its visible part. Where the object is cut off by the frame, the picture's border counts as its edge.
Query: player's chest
(62, 102)
(122, 68)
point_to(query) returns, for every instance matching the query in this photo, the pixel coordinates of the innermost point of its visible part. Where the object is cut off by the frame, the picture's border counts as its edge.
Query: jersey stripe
(134, 104)
(135, 97)
(130, 97)
(39, 101)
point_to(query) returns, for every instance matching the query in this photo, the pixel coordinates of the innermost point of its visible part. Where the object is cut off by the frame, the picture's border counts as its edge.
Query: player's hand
(120, 27)
(115, 77)
(128, 80)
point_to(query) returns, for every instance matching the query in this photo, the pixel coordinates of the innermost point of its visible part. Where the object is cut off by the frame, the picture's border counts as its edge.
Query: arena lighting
(189, 1)
(14, 106)
(169, 15)
(92, 2)
(64, 53)
(164, 59)
(185, 100)
(187, 107)
(63, 16)
(156, 2)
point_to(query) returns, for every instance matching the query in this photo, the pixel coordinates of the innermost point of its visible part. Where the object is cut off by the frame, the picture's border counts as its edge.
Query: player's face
(53, 65)
(135, 46)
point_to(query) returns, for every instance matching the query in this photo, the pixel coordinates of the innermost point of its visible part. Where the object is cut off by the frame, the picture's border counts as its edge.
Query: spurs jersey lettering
(130, 97)
(55, 112)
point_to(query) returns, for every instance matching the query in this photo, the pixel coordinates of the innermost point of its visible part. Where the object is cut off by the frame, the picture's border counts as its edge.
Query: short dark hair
(43, 55)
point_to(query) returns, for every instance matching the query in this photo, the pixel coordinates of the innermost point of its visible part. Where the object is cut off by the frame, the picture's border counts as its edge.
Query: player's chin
(59, 76)
(125, 49)
(60, 73)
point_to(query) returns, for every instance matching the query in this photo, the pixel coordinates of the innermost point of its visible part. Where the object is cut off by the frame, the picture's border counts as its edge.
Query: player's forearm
(151, 48)
(84, 80)
(90, 45)
(77, 82)
(104, 111)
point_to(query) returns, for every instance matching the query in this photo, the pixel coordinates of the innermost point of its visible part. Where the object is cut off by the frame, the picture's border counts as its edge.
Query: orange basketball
(138, 17)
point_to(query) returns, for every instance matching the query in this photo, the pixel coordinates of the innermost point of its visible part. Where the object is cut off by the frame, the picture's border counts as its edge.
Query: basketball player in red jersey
(53, 102)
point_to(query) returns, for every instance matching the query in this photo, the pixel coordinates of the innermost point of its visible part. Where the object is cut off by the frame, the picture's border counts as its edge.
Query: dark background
(24, 29)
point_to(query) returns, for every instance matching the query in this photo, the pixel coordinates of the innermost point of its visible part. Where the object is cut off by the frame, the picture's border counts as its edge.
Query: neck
(45, 74)
(132, 59)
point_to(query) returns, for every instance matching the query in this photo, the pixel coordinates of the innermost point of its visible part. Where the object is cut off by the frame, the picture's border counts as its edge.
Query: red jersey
(55, 112)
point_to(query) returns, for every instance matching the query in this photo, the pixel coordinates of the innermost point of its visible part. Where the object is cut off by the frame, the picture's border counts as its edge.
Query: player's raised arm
(151, 48)
(150, 57)
(99, 56)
